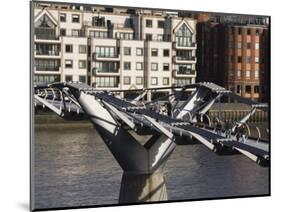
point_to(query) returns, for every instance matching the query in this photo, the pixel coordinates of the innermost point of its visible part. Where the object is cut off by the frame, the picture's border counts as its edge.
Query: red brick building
(233, 51)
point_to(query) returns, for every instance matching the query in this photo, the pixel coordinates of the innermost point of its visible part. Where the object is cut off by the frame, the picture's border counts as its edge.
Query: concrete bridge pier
(137, 187)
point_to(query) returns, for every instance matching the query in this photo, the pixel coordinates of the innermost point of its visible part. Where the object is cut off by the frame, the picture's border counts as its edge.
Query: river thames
(73, 167)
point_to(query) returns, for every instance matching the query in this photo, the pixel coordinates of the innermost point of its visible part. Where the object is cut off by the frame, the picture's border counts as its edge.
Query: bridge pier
(136, 187)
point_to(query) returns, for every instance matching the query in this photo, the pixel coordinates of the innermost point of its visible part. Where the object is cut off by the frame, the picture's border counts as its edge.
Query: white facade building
(113, 48)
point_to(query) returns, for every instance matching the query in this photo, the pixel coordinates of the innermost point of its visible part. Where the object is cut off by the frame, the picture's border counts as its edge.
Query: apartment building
(113, 48)
(233, 51)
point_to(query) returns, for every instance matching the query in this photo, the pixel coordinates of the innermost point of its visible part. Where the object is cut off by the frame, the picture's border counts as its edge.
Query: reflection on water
(73, 167)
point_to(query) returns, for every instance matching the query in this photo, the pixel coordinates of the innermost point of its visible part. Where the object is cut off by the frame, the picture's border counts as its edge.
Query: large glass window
(98, 21)
(99, 34)
(184, 36)
(82, 78)
(47, 49)
(47, 65)
(107, 82)
(184, 69)
(103, 51)
(49, 78)
(184, 54)
(106, 67)
(125, 35)
(68, 78)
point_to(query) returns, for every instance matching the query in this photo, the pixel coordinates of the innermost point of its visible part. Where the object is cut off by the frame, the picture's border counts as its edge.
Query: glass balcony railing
(47, 68)
(47, 52)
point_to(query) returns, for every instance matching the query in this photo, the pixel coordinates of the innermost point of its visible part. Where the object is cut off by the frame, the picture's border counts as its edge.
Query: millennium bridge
(166, 119)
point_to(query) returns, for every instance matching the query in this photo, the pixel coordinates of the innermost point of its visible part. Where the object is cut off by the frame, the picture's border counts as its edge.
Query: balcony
(114, 86)
(192, 46)
(50, 69)
(96, 72)
(109, 57)
(184, 73)
(46, 35)
(47, 54)
(177, 59)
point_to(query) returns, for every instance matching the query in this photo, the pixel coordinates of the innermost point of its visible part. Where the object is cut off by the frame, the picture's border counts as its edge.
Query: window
(248, 31)
(256, 89)
(166, 67)
(127, 65)
(62, 32)
(159, 37)
(98, 34)
(239, 45)
(139, 66)
(148, 23)
(98, 21)
(184, 69)
(238, 73)
(82, 64)
(125, 35)
(154, 80)
(106, 67)
(127, 51)
(248, 74)
(75, 19)
(68, 48)
(75, 33)
(47, 65)
(82, 49)
(256, 74)
(127, 80)
(239, 31)
(68, 63)
(248, 89)
(257, 46)
(239, 59)
(68, 78)
(184, 55)
(184, 36)
(160, 24)
(107, 82)
(166, 52)
(62, 17)
(165, 80)
(257, 32)
(106, 51)
(139, 80)
(148, 37)
(46, 78)
(239, 89)
(248, 59)
(82, 78)
(257, 59)
(154, 52)
(139, 52)
(154, 66)
(248, 45)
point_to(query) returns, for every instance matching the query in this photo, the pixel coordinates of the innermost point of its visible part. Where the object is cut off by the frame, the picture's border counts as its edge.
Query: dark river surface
(73, 167)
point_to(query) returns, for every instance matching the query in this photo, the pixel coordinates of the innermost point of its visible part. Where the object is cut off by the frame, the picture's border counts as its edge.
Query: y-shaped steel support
(143, 178)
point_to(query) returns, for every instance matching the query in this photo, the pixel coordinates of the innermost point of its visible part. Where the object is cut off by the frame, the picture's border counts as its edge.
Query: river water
(73, 167)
